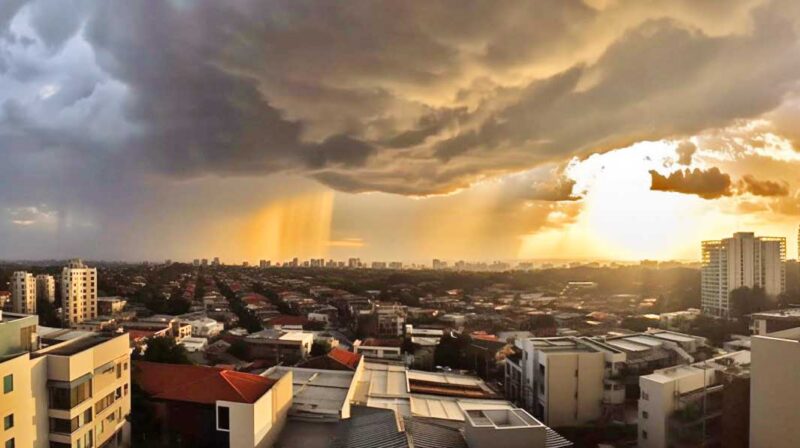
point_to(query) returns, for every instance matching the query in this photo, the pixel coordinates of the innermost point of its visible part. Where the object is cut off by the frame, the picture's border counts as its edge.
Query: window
(8, 421)
(645, 396)
(10, 443)
(87, 416)
(8, 385)
(64, 426)
(223, 418)
(104, 402)
(644, 434)
(119, 371)
(644, 414)
(67, 397)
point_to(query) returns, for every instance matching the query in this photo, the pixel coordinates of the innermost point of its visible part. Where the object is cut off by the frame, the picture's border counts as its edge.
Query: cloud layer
(105, 104)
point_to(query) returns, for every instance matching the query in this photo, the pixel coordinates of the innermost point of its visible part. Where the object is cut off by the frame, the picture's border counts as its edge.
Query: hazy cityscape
(399, 224)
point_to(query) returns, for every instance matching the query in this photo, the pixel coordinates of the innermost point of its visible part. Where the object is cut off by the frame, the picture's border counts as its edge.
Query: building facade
(743, 260)
(79, 292)
(23, 293)
(69, 394)
(775, 390)
(702, 404)
(46, 287)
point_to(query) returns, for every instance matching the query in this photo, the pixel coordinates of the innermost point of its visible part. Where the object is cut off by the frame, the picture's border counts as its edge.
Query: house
(210, 406)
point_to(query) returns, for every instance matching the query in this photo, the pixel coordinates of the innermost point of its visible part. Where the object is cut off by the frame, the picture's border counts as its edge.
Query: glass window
(223, 418)
(10, 443)
(8, 384)
(8, 421)
(62, 397)
(87, 416)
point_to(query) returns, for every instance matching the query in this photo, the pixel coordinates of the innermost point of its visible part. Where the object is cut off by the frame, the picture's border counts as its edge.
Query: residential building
(279, 346)
(776, 320)
(702, 404)
(5, 300)
(379, 348)
(562, 380)
(743, 260)
(110, 306)
(775, 390)
(46, 287)
(205, 327)
(23, 293)
(573, 380)
(87, 380)
(212, 407)
(79, 292)
(391, 320)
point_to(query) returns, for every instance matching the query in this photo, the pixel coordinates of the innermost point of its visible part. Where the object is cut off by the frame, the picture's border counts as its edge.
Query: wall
(775, 390)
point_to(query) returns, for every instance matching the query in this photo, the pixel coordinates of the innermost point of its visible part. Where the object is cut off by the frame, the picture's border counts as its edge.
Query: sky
(475, 130)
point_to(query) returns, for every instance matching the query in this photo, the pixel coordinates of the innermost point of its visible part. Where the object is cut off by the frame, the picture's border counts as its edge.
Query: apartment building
(702, 404)
(390, 320)
(46, 287)
(23, 293)
(590, 378)
(775, 390)
(767, 322)
(215, 407)
(74, 393)
(743, 260)
(110, 306)
(79, 292)
(279, 346)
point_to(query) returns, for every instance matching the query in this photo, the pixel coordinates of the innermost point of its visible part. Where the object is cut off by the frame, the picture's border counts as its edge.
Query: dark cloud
(99, 100)
(756, 187)
(708, 184)
(686, 152)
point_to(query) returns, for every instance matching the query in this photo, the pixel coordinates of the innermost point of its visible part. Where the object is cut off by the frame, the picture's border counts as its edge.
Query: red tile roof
(198, 384)
(349, 359)
(136, 335)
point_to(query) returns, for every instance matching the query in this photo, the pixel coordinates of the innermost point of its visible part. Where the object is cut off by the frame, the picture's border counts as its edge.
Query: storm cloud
(104, 104)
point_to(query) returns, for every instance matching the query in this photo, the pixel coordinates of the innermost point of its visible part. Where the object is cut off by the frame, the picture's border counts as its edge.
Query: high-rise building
(743, 260)
(74, 392)
(23, 293)
(79, 292)
(46, 287)
(215, 261)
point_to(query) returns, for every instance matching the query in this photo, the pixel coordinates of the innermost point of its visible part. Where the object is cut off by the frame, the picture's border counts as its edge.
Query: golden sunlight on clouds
(297, 226)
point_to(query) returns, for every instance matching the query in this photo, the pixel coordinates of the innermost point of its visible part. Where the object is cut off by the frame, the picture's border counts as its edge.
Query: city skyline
(576, 130)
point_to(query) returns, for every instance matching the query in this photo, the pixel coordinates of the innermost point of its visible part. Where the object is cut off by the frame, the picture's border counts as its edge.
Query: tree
(746, 301)
(164, 349)
(451, 350)
(320, 348)
(238, 349)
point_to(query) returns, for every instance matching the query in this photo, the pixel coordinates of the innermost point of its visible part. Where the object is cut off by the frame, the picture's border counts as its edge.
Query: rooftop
(198, 384)
(74, 346)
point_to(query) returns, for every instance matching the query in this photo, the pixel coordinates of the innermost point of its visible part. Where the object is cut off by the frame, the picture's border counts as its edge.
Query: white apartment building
(775, 390)
(23, 293)
(46, 287)
(743, 260)
(74, 393)
(79, 292)
(562, 380)
(205, 327)
(683, 405)
(573, 380)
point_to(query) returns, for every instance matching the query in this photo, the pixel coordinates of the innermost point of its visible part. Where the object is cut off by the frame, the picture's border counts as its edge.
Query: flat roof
(74, 346)
(626, 344)
(672, 336)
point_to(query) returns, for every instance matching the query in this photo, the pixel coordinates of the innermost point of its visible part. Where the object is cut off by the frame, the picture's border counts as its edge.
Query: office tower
(46, 287)
(79, 292)
(743, 260)
(72, 393)
(215, 261)
(204, 262)
(23, 293)
(354, 263)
